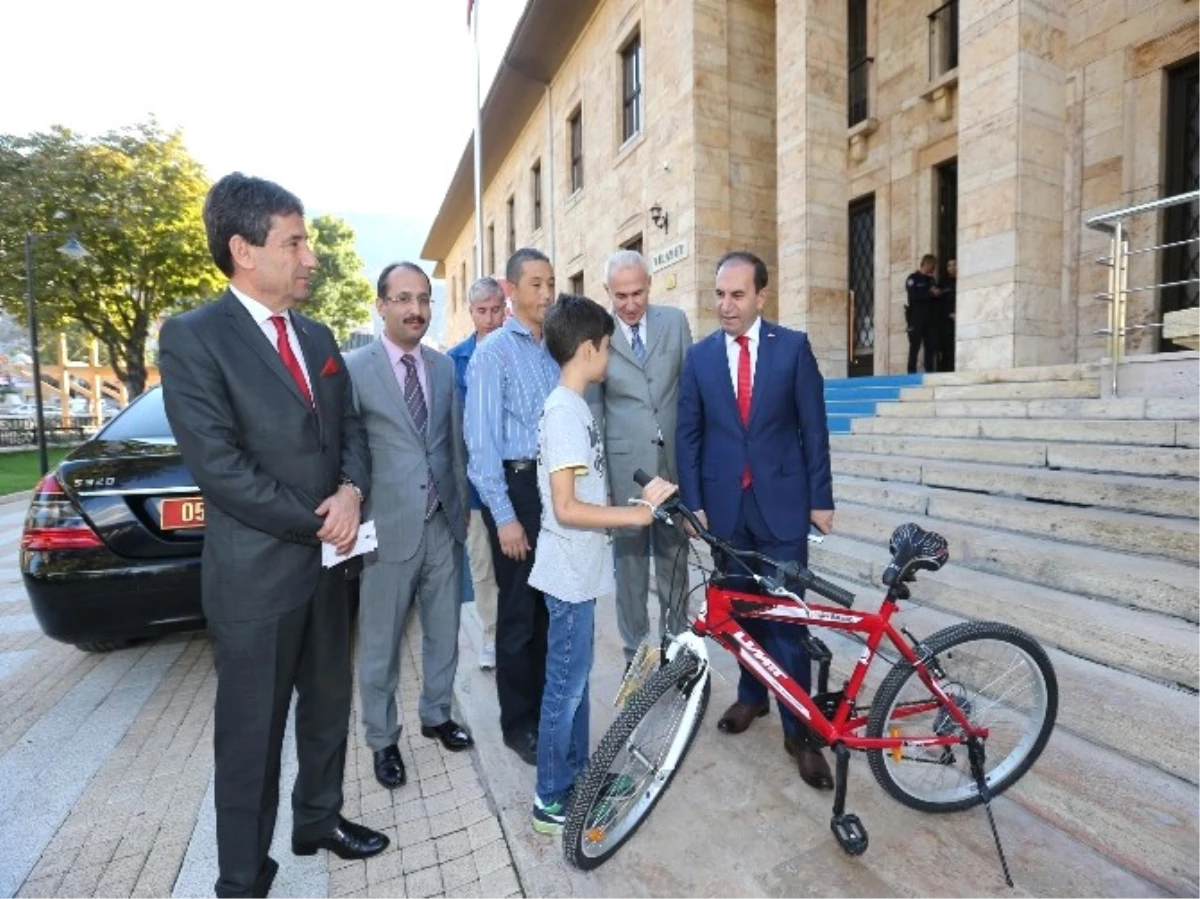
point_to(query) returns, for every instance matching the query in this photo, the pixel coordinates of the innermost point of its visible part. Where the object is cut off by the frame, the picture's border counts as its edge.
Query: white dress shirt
(733, 350)
(262, 317)
(627, 330)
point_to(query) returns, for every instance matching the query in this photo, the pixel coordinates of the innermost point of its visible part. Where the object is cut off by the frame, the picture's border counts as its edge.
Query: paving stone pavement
(106, 773)
(106, 778)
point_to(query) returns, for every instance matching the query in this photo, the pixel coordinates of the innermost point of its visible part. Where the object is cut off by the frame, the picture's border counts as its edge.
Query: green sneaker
(549, 819)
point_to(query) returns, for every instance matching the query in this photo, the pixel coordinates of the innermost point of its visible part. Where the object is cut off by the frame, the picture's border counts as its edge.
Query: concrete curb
(19, 496)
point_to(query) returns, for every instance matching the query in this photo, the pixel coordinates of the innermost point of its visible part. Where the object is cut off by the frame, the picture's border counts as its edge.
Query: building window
(943, 39)
(631, 88)
(859, 81)
(463, 272)
(491, 266)
(510, 211)
(577, 284)
(475, 262)
(536, 174)
(575, 126)
(634, 243)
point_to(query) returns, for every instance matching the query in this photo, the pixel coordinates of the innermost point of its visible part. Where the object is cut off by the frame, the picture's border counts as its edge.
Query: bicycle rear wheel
(1001, 679)
(635, 761)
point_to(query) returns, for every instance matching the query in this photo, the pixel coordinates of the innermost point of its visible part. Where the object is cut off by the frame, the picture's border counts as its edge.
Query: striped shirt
(508, 380)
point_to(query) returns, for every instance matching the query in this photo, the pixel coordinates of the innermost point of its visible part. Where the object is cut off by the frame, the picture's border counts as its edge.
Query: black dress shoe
(524, 745)
(452, 735)
(348, 841)
(389, 767)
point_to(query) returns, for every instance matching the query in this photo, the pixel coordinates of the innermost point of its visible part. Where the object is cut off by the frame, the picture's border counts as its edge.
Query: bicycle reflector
(53, 522)
(897, 751)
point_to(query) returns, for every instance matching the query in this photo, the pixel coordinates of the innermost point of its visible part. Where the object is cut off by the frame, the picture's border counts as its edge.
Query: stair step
(1151, 461)
(839, 424)
(1155, 584)
(1140, 433)
(883, 393)
(1005, 390)
(1124, 784)
(1087, 371)
(851, 407)
(875, 381)
(966, 449)
(1131, 493)
(1122, 408)
(1151, 535)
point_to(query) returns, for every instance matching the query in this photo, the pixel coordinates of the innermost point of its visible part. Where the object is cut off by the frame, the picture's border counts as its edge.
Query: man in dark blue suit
(753, 454)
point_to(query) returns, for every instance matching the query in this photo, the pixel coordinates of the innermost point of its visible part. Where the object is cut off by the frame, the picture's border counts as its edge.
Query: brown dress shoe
(814, 770)
(739, 716)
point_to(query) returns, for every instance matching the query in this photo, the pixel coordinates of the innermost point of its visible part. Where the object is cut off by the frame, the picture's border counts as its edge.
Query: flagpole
(479, 272)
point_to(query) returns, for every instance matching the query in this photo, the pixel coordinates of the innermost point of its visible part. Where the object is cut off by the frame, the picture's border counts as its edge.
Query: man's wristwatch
(346, 482)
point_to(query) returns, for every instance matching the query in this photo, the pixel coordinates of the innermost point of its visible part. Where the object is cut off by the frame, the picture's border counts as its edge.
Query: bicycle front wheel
(1002, 680)
(635, 761)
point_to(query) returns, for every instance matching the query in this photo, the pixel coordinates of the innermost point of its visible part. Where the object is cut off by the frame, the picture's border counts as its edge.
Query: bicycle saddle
(913, 549)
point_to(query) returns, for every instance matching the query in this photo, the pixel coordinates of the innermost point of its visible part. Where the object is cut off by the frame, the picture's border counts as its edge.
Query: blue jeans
(562, 752)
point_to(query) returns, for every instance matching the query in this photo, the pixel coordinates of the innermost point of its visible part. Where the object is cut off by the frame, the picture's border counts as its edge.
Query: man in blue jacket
(485, 300)
(753, 452)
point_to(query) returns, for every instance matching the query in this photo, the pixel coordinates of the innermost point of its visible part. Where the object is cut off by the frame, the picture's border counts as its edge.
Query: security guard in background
(921, 315)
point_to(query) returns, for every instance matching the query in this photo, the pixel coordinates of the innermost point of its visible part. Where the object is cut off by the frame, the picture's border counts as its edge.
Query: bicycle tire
(578, 845)
(965, 643)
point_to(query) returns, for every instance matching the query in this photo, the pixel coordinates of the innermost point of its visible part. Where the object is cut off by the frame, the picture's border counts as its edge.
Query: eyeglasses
(408, 298)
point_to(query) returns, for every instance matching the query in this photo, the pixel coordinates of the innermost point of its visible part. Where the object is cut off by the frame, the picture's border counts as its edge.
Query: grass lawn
(19, 471)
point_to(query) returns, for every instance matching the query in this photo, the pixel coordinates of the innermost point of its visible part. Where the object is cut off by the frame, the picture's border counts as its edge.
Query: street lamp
(74, 251)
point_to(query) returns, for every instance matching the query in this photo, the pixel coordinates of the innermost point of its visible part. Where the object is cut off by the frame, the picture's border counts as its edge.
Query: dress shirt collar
(752, 332)
(395, 353)
(627, 329)
(257, 310)
(516, 326)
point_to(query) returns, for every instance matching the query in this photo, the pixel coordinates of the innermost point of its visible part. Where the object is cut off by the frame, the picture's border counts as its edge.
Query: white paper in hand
(365, 543)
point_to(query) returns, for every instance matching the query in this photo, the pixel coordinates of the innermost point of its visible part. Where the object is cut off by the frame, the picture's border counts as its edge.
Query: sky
(360, 108)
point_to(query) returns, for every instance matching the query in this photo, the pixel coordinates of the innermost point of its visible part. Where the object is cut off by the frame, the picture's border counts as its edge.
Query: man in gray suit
(409, 404)
(635, 408)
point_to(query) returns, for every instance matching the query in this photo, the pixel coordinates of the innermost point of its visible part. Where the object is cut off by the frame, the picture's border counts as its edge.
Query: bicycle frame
(716, 621)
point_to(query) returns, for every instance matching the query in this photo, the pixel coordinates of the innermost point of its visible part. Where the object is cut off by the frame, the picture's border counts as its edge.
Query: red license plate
(178, 514)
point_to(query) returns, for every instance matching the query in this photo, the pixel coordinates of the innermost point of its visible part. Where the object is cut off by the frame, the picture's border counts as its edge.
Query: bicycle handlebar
(784, 570)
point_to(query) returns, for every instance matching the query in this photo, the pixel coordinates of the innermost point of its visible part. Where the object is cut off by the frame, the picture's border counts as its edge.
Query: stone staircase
(1075, 518)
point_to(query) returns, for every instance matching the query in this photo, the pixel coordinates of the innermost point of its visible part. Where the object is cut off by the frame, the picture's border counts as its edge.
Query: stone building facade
(840, 140)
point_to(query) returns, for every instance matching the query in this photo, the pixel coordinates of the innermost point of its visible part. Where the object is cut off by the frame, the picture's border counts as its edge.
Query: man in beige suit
(635, 409)
(409, 405)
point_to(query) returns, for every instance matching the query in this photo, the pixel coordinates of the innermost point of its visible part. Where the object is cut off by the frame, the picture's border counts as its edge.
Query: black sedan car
(111, 547)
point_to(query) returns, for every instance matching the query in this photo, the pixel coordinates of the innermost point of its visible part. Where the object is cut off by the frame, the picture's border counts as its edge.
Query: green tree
(341, 296)
(133, 197)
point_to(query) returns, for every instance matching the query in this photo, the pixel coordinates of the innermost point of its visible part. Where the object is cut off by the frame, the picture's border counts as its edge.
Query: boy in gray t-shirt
(574, 561)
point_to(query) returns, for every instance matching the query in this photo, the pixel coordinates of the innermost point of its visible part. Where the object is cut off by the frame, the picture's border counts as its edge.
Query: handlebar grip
(832, 591)
(642, 478)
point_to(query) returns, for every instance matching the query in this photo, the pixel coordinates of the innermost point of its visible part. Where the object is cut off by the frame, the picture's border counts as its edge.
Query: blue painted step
(849, 398)
(849, 407)
(877, 381)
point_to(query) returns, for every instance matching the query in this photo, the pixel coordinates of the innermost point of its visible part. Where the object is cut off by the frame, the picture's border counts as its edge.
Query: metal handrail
(1117, 261)
(1100, 222)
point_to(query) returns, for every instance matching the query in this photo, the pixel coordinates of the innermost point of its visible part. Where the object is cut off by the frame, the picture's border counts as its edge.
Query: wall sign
(668, 256)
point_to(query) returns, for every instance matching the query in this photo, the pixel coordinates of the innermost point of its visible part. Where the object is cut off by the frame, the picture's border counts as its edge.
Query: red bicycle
(957, 721)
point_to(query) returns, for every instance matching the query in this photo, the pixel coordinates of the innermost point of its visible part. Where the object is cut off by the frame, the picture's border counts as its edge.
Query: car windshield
(144, 419)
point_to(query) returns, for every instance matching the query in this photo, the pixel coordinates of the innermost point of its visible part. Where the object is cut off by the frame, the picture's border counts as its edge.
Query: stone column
(811, 281)
(1012, 131)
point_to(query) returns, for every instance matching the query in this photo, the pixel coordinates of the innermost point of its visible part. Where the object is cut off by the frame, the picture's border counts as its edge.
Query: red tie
(744, 389)
(289, 358)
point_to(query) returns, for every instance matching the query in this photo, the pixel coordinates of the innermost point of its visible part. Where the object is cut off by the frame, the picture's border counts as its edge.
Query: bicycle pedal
(850, 833)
